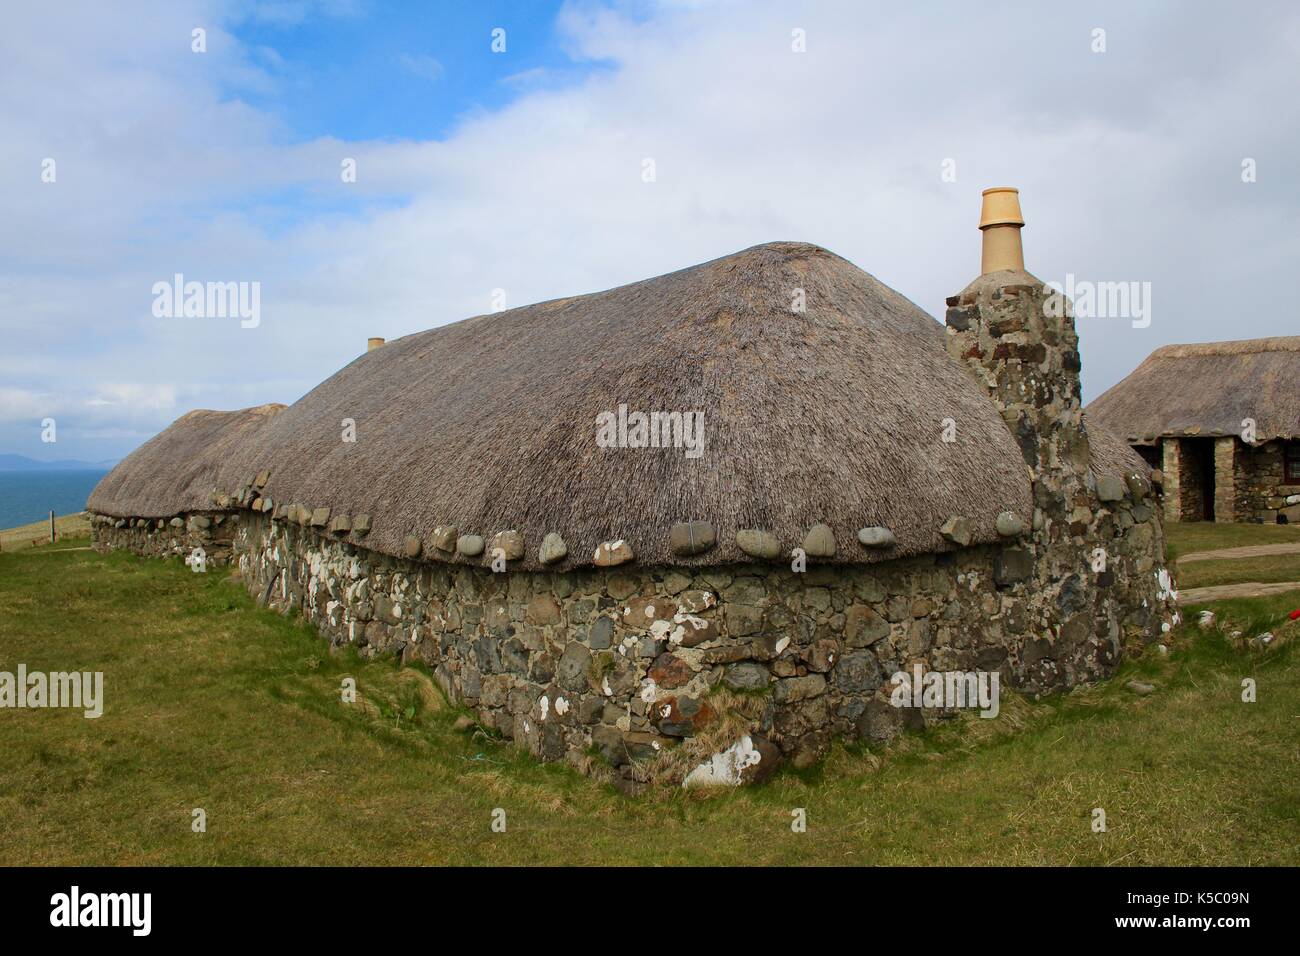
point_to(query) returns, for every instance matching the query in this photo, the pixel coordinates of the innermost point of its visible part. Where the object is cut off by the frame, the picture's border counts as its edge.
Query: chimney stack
(1016, 338)
(1001, 222)
(1025, 353)
(373, 343)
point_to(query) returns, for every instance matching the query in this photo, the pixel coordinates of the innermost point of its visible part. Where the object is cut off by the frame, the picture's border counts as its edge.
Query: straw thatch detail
(1111, 455)
(831, 416)
(1208, 390)
(176, 470)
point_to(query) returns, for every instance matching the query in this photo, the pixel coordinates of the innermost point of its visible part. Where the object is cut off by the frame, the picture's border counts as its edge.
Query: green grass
(1274, 567)
(214, 703)
(65, 526)
(1184, 537)
(1253, 616)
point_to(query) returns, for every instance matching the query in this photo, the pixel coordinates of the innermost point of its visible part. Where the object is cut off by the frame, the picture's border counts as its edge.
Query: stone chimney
(373, 343)
(1017, 339)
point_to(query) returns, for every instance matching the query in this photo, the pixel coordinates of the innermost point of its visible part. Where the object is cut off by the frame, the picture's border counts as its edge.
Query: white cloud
(135, 396)
(1128, 163)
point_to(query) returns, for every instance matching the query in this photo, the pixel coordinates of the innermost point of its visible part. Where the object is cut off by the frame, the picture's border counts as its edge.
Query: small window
(1291, 455)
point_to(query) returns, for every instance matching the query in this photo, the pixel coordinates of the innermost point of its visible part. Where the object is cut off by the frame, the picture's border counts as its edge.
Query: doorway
(1197, 479)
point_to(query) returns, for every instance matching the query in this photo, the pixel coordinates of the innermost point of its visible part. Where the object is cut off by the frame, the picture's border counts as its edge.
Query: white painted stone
(724, 769)
(649, 690)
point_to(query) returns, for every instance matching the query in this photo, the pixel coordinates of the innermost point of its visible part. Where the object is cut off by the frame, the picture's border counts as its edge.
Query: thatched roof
(1111, 455)
(833, 415)
(176, 470)
(1208, 389)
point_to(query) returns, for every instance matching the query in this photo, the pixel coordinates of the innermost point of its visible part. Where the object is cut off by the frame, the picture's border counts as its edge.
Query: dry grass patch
(38, 532)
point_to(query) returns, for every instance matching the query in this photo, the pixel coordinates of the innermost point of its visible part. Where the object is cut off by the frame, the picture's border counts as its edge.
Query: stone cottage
(1221, 421)
(694, 526)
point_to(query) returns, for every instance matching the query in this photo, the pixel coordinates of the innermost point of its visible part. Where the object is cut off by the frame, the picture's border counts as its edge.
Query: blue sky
(408, 70)
(522, 173)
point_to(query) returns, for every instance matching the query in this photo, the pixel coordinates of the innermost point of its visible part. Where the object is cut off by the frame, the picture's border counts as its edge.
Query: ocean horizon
(27, 496)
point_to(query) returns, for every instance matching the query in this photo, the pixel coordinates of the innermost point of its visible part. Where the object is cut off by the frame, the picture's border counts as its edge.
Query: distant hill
(23, 463)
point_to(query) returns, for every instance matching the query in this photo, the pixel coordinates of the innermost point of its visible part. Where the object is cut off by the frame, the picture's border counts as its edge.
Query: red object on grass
(1295, 615)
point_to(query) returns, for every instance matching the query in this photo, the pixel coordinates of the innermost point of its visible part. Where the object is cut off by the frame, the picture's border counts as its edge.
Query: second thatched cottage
(690, 527)
(1221, 420)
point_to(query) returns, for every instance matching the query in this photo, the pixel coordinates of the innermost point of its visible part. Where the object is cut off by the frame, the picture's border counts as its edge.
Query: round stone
(509, 543)
(611, 553)
(819, 542)
(758, 544)
(691, 537)
(1010, 525)
(876, 537)
(553, 549)
(1110, 488)
(470, 545)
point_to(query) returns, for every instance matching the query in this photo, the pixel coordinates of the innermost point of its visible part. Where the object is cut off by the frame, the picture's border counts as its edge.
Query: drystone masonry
(1017, 338)
(1171, 467)
(1249, 482)
(1225, 480)
(648, 674)
(209, 533)
(1184, 484)
(1265, 494)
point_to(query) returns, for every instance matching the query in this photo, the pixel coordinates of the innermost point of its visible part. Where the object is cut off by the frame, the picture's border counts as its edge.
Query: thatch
(832, 415)
(1111, 455)
(1208, 390)
(176, 470)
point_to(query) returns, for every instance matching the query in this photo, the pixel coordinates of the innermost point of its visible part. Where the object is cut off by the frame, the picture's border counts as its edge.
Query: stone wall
(1264, 493)
(1019, 341)
(212, 533)
(642, 674)
(1172, 469)
(1225, 480)
(1249, 482)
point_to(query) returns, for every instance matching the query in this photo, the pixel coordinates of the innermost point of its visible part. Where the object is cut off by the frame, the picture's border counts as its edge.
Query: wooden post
(52, 535)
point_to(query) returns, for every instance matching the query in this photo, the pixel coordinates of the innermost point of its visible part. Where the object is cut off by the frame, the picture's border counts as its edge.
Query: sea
(27, 496)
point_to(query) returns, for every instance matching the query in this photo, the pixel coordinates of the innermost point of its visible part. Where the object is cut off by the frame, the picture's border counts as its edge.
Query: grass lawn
(65, 526)
(1184, 537)
(1273, 567)
(212, 702)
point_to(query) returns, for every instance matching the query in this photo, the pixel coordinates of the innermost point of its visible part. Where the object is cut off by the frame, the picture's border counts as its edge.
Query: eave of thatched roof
(1208, 389)
(176, 470)
(833, 415)
(1111, 455)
